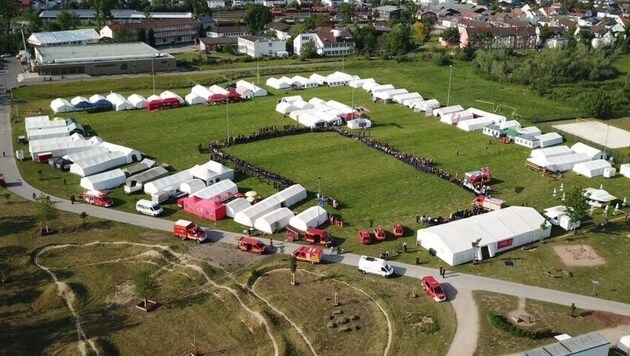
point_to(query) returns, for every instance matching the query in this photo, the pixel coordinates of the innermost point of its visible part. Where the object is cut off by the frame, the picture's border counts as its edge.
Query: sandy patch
(579, 255)
(123, 294)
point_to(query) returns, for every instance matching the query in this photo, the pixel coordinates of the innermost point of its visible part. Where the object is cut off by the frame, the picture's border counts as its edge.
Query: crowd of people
(459, 214)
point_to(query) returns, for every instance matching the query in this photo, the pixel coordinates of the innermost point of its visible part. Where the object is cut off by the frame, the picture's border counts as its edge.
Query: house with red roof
(328, 42)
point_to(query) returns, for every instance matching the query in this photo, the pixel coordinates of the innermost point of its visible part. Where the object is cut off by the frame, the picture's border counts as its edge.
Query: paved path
(458, 286)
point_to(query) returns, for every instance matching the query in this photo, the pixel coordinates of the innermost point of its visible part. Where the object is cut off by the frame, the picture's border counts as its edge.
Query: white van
(375, 265)
(148, 207)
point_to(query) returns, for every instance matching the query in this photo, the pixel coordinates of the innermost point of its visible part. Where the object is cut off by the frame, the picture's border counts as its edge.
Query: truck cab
(315, 236)
(185, 229)
(379, 233)
(98, 198)
(398, 230)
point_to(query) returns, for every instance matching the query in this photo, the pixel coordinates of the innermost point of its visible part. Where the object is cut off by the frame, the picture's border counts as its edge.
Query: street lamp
(450, 80)
(227, 119)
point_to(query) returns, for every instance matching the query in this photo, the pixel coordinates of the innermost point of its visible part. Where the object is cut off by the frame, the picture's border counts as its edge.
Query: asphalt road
(457, 285)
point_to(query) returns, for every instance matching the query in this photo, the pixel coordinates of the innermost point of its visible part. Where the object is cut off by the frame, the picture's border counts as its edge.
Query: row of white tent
(583, 159)
(115, 100)
(314, 112)
(40, 127)
(388, 93)
(274, 209)
(315, 80)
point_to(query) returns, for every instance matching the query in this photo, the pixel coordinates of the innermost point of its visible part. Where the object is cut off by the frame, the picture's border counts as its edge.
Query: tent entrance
(485, 252)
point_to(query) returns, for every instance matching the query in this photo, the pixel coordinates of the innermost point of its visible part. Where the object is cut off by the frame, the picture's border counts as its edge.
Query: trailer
(185, 229)
(312, 254)
(489, 204)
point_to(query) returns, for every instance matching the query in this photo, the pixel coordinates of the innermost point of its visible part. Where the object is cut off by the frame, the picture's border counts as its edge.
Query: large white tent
(249, 215)
(192, 186)
(302, 105)
(592, 152)
(215, 89)
(131, 155)
(194, 99)
(221, 190)
(388, 95)
(320, 79)
(61, 105)
(498, 230)
(550, 152)
(367, 86)
(481, 113)
(170, 95)
(167, 184)
(624, 170)
(311, 217)
(560, 163)
(290, 195)
(273, 221)
(592, 169)
(549, 139)
(341, 107)
(212, 172)
(285, 108)
(137, 181)
(256, 90)
(454, 118)
(49, 132)
(119, 102)
(106, 180)
(475, 124)
(59, 146)
(138, 101)
(304, 83)
(358, 83)
(401, 98)
(427, 106)
(234, 206)
(96, 164)
(277, 84)
(381, 87)
(94, 151)
(43, 121)
(201, 91)
(447, 110)
(244, 93)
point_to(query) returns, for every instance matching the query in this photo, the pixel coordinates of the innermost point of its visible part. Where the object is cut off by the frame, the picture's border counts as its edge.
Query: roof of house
(98, 52)
(260, 39)
(278, 26)
(218, 40)
(502, 31)
(44, 38)
(228, 29)
(326, 35)
(155, 24)
(571, 346)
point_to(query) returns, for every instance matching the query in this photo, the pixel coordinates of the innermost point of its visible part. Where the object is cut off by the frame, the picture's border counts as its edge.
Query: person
(404, 247)
(64, 181)
(271, 243)
(34, 196)
(382, 255)
(442, 272)
(417, 218)
(72, 199)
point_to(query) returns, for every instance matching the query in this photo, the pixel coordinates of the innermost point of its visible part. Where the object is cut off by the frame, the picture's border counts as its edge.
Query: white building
(64, 38)
(328, 42)
(258, 46)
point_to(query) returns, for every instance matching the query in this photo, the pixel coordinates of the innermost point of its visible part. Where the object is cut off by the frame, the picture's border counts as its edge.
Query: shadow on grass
(16, 225)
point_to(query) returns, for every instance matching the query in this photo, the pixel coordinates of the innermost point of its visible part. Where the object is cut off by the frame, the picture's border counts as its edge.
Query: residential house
(281, 29)
(208, 44)
(387, 13)
(328, 42)
(557, 39)
(498, 37)
(227, 31)
(164, 32)
(428, 16)
(258, 46)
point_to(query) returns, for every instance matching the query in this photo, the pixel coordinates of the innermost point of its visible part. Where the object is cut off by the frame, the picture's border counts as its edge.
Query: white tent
(401, 98)
(341, 107)
(58, 146)
(498, 230)
(277, 84)
(416, 103)
(510, 124)
(624, 170)
(258, 91)
(153, 98)
(167, 184)
(138, 101)
(317, 101)
(220, 189)
(49, 132)
(169, 94)
(558, 216)
(91, 152)
(333, 80)
(381, 87)
(598, 197)
(60, 105)
(136, 182)
(234, 206)
(131, 155)
(387, 95)
(96, 164)
(551, 152)
(304, 82)
(311, 217)
(244, 93)
(359, 124)
(224, 172)
(624, 344)
(529, 130)
(475, 124)
(592, 169)
(106, 180)
(344, 76)
(285, 108)
(526, 141)
(192, 186)
(291, 99)
(215, 89)
(79, 101)
(96, 97)
(592, 152)
(301, 104)
(119, 102)
(358, 83)
(290, 195)
(201, 91)
(549, 139)
(480, 113)
(249, 215)
(560, 163)
(273, 221)
(454, 118)
(194, 99)
(320, 79)
(38, 122)
(310, 120)
(367, 86)
(427, 105)
(447, 110)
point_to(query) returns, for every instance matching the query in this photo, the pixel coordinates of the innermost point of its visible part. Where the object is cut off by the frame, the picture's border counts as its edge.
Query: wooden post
(413, 293)
(292, 278)
(336, 298)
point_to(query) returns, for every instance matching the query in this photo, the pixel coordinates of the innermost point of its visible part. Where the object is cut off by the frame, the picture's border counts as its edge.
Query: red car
(364, 237)
(433, 289)
(398, 230)
(379, 233)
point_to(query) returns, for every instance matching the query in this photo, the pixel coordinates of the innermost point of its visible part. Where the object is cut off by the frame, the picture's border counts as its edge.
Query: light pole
(153, 74)
(450, 80)
(227, 119)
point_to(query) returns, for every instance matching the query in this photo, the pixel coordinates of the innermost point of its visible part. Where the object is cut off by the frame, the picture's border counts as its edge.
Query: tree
(146, 285)
(67, 20)
(293, 268)
(47, 211)
(314, 21)
(121, 35)
(83, 217)
(419, 33)
(544, 226)
(598, 105)
(308, 50)
(451, 36)
(295, 30)
(34, 21)
(198, 7)
(577, 207)
(256, 17)
(397, 41)
(346, 10)
(102, 12)
(365, 38)
(8, 9)
(151, 37)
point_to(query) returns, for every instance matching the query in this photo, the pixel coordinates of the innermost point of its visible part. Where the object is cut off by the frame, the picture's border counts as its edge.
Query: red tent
(205, 208)
(233, 97)
(217, 98)
(170, 102)
(155, 105)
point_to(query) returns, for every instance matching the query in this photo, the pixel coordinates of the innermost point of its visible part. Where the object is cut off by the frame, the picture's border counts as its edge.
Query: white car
(376, 266)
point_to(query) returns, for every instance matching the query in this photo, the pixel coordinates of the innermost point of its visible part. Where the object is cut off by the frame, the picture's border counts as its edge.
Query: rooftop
(100, 52)
(43, 38)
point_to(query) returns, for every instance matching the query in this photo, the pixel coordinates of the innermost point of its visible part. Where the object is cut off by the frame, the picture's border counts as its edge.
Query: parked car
(379, 233)
(433, 288)
(376, 266)
(5, 55)
(399, 231)
(364, 237)
(252, 245)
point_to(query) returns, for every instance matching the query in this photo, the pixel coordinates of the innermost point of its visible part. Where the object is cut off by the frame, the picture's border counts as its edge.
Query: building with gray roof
(64, 38)
(591, 344)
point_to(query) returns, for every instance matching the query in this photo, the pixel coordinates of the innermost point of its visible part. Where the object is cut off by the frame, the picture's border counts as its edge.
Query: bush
(441, 60)
(501, 323)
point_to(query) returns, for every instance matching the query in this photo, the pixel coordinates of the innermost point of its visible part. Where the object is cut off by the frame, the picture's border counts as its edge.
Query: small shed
(204, 208)
(592, 169)
(61, 105)
(549, 139)
(311, 217)
(138, 101)
(236, 205)
(274, 221)
(106, 180)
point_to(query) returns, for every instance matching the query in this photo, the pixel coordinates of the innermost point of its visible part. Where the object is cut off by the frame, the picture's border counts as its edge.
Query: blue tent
(83, 105)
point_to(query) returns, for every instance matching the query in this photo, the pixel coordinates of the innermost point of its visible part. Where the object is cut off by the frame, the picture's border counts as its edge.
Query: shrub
(501, 323)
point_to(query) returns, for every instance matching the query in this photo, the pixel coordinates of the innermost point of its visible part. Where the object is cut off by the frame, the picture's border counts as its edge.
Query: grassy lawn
(37, 321)
(556, 317)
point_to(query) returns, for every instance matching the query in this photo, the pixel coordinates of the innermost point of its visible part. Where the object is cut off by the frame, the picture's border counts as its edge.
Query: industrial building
(102, 59)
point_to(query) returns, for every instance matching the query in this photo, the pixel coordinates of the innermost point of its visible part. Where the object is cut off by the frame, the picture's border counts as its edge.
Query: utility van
(148, 207)
(376, 266)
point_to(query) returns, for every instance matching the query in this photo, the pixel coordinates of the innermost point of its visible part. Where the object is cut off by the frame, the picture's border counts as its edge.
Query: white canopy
(201, 91)
(192, 186)
(273, 221)
(285, 108)
(167, 184)
(59, 146)
(194, 99)
(212, 172)
(290, 195)
(60, 105)
(78, 100)
(277, 84)
(498, 230)
(560, 163)
(592, 169)
(169, 94)
(96, 97)
(389, 94)
(138, 101)
(119, 102)
(475, 124)
(236, 205)
(359, 124)
(215, 89)
(91, 152)
(447, 110)
(341, 107)
(38, 122)
(311, 217)
(549, 139)
(249, 215)
(49, 132)
(258, 91)
(106, 180)
(375, 89)
(301, 104)
(592, 152)
(358, 83)
(219, 189)
(96, 164)
(401, 98)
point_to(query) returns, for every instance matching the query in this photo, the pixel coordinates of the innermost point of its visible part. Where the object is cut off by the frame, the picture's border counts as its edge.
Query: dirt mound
(48, 299)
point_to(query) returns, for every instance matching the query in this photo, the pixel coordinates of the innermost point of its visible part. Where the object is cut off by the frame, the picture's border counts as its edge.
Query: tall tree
(146, 285)
(67, 20)
(198, 7)
(346, 10)
(451, 36)
(419, 33)
(34, 22)
(102, 11)
(308, 50)
(292, 268)
(598, 105)
(314, 21)
(121, 35)
(577, 207)
(256, 17)
(8, 9)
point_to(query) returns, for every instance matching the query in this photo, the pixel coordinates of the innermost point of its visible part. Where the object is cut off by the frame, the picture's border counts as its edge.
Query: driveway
(459, 286)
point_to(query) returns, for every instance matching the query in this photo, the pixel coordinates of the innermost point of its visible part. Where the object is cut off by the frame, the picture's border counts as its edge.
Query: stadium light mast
(450, 80)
